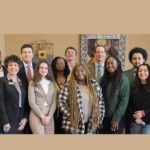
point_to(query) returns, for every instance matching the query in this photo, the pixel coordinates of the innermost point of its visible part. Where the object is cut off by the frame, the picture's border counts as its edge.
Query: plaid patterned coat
(64, 107)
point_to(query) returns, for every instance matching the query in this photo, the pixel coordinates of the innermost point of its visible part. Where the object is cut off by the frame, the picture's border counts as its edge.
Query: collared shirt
(26, 67)
(1, 72)
(135, 71)
(17, 86)
(101, 68)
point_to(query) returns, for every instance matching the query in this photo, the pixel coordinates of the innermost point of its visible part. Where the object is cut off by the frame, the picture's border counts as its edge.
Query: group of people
(69, 98)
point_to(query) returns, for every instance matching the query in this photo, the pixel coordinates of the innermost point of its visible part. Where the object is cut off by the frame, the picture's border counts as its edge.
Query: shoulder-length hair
(116, 77)
(135, 87)
(37, 76)
(66, 70)
(12, 58)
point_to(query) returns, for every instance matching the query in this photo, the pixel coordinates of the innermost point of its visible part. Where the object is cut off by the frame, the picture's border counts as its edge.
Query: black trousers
(14, 125)
(58, 117)
(107, 126)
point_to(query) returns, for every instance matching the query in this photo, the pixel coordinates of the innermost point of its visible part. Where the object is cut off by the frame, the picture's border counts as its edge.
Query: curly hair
(73, 102)
(138, 50)
(135, 87)
(116, 77)
(66, 70)
(12, 58)
(37, 76)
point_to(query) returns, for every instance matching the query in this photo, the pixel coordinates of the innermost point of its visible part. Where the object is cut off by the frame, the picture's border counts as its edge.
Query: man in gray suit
(137, 56)
(97, 68)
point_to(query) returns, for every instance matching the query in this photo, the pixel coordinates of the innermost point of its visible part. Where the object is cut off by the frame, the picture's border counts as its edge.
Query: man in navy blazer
(27, 55)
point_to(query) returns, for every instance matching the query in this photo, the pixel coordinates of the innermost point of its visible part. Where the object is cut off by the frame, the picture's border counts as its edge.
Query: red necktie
(29, 76)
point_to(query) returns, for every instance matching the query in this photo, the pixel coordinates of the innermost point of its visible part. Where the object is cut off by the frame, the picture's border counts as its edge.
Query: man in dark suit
(137, 56)
(97, 68)
(26, 71)
(3, 71)
(27, 64)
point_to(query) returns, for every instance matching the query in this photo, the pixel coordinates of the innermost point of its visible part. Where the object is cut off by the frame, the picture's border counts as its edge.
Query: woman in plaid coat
(81, 103)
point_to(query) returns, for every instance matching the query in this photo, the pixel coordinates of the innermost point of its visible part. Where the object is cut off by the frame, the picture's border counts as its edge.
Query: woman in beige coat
(42, 99)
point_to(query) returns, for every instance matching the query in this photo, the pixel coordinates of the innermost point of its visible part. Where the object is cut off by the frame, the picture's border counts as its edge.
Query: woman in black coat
(14, 108)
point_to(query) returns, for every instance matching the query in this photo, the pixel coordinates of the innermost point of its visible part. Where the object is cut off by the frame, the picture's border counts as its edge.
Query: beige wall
(12, 43)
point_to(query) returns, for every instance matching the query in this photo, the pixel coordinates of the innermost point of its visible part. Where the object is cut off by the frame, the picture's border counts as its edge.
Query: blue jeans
(139, 129)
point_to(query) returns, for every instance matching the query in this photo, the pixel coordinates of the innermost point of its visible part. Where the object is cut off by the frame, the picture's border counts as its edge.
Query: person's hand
(43, 120)
(138, 121)
(22, 124)
(114, 125)
(6, 127)
(137, 114)
(47, 119)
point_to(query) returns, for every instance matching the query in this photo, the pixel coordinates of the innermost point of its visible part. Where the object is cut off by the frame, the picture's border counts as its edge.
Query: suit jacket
(9, 102)
(37, 98)
(130, 74)
(5, 71)
(22, 74)
(91, 68)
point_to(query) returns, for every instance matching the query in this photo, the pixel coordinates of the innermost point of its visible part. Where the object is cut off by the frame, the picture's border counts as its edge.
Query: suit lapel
(132, 74)
(40, 89)
(93, 70)
(12, 85)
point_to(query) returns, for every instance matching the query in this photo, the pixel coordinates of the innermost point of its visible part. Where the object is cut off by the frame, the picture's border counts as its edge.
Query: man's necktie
(98, 77)
(29, 76)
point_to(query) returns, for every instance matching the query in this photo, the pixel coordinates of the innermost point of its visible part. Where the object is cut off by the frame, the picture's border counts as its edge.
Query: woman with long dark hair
(42, 99)
(116, 89)
(61, 72)
(139, 104)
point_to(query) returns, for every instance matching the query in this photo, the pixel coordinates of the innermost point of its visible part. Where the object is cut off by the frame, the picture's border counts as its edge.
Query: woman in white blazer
(42, 99)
